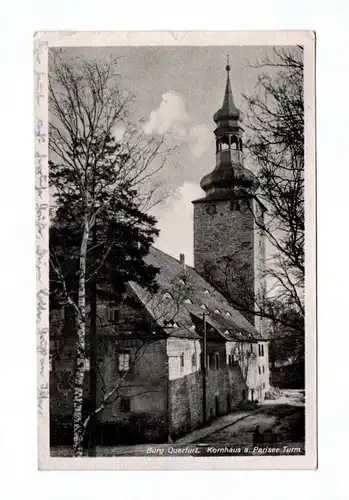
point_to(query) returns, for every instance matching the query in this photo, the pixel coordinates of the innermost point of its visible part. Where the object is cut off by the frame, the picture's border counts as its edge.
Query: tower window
(234, 140)
(211, 209)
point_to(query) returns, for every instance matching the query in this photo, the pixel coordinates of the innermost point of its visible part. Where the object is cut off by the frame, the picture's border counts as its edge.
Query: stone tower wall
(228, 232)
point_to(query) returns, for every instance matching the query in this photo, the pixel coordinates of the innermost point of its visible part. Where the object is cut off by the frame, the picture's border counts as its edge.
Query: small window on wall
(216, 362)
(193, 360)
(259, 370)
(235, 206)
(260, 350)
(113, 314)
(125, 405)
(208, 362)
(263, 369)
(123, 362)
(181, 361)
(263, 385)
(231, 360)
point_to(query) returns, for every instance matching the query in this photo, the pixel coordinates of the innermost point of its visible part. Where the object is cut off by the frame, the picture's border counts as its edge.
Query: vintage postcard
(176, 250)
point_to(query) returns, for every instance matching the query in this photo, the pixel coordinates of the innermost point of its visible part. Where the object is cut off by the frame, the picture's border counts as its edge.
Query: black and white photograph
(176, 279)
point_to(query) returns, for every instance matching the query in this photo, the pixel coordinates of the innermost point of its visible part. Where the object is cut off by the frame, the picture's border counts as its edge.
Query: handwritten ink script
(42, 220)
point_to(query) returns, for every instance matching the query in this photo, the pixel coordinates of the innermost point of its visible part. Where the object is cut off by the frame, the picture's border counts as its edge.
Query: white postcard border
(42, 42)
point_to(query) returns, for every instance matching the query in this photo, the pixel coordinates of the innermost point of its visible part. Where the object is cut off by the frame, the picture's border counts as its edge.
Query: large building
(170, 361)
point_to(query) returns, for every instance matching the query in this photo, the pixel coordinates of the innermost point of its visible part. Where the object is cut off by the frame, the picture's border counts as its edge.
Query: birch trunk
(78, 428)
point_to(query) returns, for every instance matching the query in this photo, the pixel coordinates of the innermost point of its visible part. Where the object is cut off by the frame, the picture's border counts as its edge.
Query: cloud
(172, 117)
(175, 222)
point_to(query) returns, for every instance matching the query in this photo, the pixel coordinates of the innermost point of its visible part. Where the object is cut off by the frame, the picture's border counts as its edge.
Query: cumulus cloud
(175, 221)
(172, 117)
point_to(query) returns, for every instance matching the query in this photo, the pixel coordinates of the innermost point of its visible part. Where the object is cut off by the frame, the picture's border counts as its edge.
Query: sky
(176, 91)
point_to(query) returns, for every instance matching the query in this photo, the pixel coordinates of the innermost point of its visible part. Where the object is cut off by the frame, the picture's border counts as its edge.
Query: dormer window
(227, 313)
(192, 328)
(206, 292)
(188, 301)
(170, 324)
(181, 281)
(203, 307)
(217, 311)
(167, 295)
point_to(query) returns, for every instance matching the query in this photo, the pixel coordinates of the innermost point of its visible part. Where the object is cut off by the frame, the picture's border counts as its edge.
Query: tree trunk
(78, 428)
(93, 358)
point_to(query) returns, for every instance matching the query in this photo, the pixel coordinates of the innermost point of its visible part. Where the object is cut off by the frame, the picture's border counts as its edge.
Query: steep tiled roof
(172, 310)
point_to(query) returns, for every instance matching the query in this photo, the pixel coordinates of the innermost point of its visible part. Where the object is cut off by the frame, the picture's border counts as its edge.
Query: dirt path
(280, 425)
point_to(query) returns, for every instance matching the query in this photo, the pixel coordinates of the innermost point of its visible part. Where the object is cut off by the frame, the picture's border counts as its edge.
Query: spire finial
(227, 66)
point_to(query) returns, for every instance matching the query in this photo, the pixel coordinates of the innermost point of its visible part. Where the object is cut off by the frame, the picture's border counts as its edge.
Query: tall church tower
(228, 248)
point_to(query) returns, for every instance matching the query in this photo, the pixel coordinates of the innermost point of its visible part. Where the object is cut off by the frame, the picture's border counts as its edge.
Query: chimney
(182, 259)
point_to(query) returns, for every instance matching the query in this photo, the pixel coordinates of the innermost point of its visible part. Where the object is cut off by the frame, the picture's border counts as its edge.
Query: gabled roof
(177, 284)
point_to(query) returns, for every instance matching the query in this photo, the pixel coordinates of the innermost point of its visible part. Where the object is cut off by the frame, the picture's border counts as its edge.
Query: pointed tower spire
(228, 110)
(229, 176)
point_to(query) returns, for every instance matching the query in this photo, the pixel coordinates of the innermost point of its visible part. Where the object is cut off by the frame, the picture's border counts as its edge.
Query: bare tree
(93, 176)
(244, 357)
(155, 317)
(276, 146)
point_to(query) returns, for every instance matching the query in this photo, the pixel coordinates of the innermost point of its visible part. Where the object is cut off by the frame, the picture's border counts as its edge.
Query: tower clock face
(211, 209)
